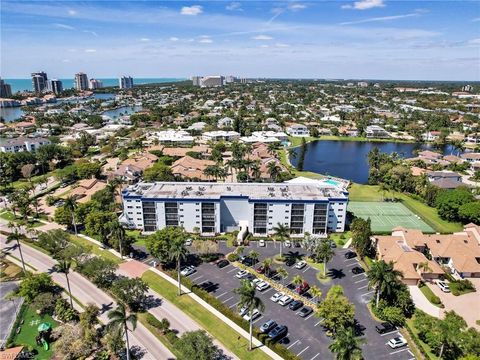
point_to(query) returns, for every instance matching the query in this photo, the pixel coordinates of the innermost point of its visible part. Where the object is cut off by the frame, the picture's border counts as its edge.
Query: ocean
(26, 84)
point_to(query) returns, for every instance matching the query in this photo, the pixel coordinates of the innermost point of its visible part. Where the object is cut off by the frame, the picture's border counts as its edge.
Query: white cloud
(263, 46)
(173, 38)
(65, 60)
(474, 41)
(383, 18)
(262, 37)
(90, 50)
(281, 45)
(63, 26)
(296, 6)
(364, 4)
(144, 39)
(72, 12)
(191, 10)
(234, 6)
(205, 40)
(91, 32)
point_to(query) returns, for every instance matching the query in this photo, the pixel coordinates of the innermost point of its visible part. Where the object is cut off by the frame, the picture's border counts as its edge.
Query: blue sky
(377, 39)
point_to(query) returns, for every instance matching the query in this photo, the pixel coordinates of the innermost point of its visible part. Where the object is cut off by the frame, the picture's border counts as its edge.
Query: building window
(171, 214)
(260, 218)
(208, 217)
(297, 218)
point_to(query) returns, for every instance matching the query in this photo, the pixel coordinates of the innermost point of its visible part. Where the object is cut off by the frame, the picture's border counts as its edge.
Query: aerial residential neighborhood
(240, 180)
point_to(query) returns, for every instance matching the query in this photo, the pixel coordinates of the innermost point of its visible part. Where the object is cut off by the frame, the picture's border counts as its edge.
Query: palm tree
(383, 277)
(325, 252)
(281, 233)
(254, 255)
(240, 250)
(178, 252)
(16, 236)
(316, 292)
(273, 170)
(71, 205)
(346, 345)
(266, 263)
(297, 280)
(250, 301)
(255, 168)
(424, 267)
(119, 319)
(118, 232)
(283, 274)
(63, 266)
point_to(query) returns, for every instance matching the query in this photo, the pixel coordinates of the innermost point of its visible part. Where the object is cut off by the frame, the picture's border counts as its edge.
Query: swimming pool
(332, 182)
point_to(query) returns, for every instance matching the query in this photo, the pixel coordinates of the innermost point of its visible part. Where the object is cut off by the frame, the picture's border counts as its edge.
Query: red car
(260, 270)
(303, 288)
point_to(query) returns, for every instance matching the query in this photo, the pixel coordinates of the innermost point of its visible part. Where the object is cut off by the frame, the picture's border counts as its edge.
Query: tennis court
(387, 215)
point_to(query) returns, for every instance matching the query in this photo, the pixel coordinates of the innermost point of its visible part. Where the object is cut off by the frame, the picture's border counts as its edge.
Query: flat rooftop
(255, 191)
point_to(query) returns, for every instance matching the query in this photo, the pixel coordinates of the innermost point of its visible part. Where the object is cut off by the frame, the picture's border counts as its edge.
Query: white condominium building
(212, 208)
(125, 82)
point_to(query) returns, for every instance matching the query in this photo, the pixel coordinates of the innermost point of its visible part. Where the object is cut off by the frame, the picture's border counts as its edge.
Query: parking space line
(318, 323)
(302, 351)
(229, 271)
(389, 333)
(352, 264)
(309, 316)
(315, 356)
(231, 306)
(230, 298)
(308, 268)
(363, 287)
(398, 351)
(354, 258)
(370, 292)
(359, 275)
(197, 278)
(266, 291)
(254, 321)
(292, 344)
(227, 266)
(226, 292)
(359, 281)
(411, 354)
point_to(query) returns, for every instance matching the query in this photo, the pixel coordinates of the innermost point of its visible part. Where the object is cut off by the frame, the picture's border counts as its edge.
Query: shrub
(232, 257)
(162, 325)
(44, 303)
(461, 286)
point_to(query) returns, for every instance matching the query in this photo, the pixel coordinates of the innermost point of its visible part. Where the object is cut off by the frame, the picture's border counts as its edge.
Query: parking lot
(306, 337)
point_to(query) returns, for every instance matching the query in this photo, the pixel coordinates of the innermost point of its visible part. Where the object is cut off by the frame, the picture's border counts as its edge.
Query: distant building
(56, 86)
(39, 81)
(230, 79)
(81, 81)
(362, 84)
(5, 89)
(125, 82)
(375, 131)
(211, 81)
(21, 144)
(95, 84)
(298, 130)
(467, 88)
(196, 80)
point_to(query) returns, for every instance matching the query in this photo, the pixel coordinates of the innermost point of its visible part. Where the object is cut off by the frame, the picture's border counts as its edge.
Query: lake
(124, 110)
(348, 159)
(11, 114)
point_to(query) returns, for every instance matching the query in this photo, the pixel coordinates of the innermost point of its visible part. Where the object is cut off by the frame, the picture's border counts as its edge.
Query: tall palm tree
(424, 267)
(119, 319)
(254, 255)
(346, 345)
(325, 252)
(249, 300)
(273, 170)
(316, 292)
(64, 266)
(297, 280)
(283, 274)
(266, 264)
(71, 205)
(281, 233)
(118, 232)
(178, 252)
(383, 277)
(15, 235)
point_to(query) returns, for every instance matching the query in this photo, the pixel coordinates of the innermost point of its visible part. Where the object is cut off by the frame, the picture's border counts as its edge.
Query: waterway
(124, 110)
(348, 159)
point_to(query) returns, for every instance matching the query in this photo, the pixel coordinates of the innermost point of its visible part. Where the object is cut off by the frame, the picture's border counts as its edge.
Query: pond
(124, 110)
(11, 113)
(348, 159)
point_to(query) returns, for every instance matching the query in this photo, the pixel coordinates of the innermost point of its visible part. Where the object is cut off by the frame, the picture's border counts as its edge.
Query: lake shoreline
(309, 139)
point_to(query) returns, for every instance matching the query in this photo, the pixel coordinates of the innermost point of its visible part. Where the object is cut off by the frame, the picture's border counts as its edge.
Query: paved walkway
(422, 302)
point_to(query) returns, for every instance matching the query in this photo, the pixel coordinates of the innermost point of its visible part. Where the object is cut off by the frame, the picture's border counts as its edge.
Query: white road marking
(354, 258)
(230, 298)
(389, 333)
(303, 351)
(398, 351)
(226, 292)
(266, 291)
(309, 316)
(359, 281)
(254, 321)
(308, 268)
(315, 356)
(370, 292)
(227, 267)
(352, 264)
(231, 306)
(293, 344)
(411, 354)
(318, 323)
(359, 275)
(363, 287)
(198, 278)
(229, 271)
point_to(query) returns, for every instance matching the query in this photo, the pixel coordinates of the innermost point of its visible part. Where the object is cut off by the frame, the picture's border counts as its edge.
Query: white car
(255, 314)
(288, 243)
(285, 300)
(241, 274)
(243, 311)
(188, 242)
(277, 296)
(397, 342)
(443, 286)
(189, 270)
(261, 243)
(300, 265)
(256, 281)
(261, 286)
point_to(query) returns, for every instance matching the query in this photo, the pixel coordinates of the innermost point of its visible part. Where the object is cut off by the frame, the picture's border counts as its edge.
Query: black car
(268, 326)
(305, 311)
(295, 305)
(222, 263)
(290, 262)
(247, 261)
(350, 254)
(278, 332)
(250, 277)
(357, 270)
(385, 327)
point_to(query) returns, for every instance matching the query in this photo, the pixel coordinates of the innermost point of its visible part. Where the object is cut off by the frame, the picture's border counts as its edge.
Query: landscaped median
(213, 316)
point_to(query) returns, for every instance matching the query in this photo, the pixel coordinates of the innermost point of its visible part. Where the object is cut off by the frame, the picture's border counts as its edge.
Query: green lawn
(94, 249)
(282, 155)
(218, 329)
(139, 238)
(426, 349)
(8, 215)
(340, 238)
(297, 140)
(358, 192)
(29, 331)
(435, 300)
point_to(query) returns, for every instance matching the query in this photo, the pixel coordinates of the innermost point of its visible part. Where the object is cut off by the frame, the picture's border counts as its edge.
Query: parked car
(397, 342)
(288, 243)
(277, 296)
(350, 254)
(222, 263)
(256, 281)
(289, 261)
(255, 314)
(278, 332)
(261, 286)
(243, 311)
(285, 300)
(358, 270)
(302, 288)
(306, 310)
(188, 242)
(241, 274)
(250, 277)
(268, 326)
(261, 243)
(385, 327)
(260, 270)
(248, 261)
(295, 305)
(443, 286)
(300, 265)
(189, 270)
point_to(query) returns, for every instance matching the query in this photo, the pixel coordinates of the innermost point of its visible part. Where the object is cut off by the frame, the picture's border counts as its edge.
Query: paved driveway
(8, 309)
